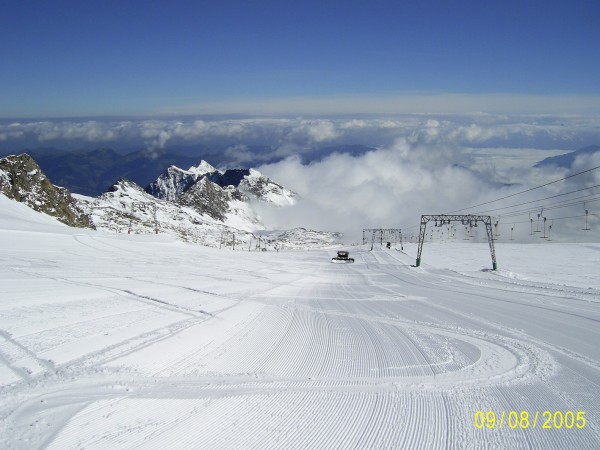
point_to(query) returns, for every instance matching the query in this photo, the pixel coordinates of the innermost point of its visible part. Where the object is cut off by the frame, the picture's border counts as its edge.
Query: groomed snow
(141, 341)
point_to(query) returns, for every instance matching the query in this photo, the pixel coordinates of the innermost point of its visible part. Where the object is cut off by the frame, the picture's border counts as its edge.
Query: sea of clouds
(415, 164)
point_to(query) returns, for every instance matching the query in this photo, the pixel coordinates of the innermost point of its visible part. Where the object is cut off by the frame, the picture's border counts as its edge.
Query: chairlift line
(552, 206)
(563, 218)
(526, 190)
(545, 198)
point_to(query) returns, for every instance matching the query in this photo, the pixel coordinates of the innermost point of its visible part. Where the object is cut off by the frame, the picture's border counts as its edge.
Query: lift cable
(515, 194)
(559, 218)
(526, 190)
(552, 206)
(541, 199)
(590, 198)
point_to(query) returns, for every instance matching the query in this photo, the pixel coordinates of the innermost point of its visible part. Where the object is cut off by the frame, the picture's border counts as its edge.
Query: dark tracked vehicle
(342, 257)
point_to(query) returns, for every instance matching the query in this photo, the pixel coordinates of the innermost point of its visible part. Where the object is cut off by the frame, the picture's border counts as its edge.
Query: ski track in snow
(141, 342)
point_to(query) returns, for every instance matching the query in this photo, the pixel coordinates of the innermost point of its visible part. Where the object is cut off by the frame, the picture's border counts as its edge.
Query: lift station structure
(466, 219)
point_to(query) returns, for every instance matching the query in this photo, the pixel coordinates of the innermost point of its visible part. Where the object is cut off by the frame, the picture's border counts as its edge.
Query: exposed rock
(207, 197)
(175, 181)
(22, 179)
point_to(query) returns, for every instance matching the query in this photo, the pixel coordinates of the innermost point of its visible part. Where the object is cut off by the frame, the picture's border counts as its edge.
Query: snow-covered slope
(127, 208)
(18, 216)
(205, 214)
(111, 341)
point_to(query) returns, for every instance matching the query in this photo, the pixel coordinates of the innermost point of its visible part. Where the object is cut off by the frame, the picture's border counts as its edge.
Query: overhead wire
(541, 199)
(524, 191)
(549, 207)
(558, 218)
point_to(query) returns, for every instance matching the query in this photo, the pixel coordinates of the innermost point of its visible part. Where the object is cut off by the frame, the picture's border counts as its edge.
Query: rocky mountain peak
(172, 183)
(175, 182)
(208, 198)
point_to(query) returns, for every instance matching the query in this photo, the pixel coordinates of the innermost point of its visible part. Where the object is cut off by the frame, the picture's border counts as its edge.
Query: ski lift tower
(469, 220)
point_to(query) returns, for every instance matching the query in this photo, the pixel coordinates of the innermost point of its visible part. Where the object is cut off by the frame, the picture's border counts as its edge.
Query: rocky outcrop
(207, 197)
(22, 179)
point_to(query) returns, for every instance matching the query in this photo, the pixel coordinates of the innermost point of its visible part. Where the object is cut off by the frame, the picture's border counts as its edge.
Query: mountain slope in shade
(567, 159)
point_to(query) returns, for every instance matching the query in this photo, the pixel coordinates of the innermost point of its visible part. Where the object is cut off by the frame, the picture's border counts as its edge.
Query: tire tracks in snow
(46, 365)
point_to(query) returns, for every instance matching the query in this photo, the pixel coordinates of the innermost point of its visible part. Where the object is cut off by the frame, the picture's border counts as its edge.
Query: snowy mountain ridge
(127, 208)
(174, 182)
(225, 221)
(200, 205)
(225, 196)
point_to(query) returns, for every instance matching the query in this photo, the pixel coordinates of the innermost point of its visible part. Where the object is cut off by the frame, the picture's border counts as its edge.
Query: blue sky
(88, 58)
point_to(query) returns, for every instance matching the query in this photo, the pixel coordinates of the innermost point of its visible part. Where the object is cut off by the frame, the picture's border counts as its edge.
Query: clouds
(429, 173)
(317, 131)
(286, 136)
(47, 131)
(408, 164)
(387, 187)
